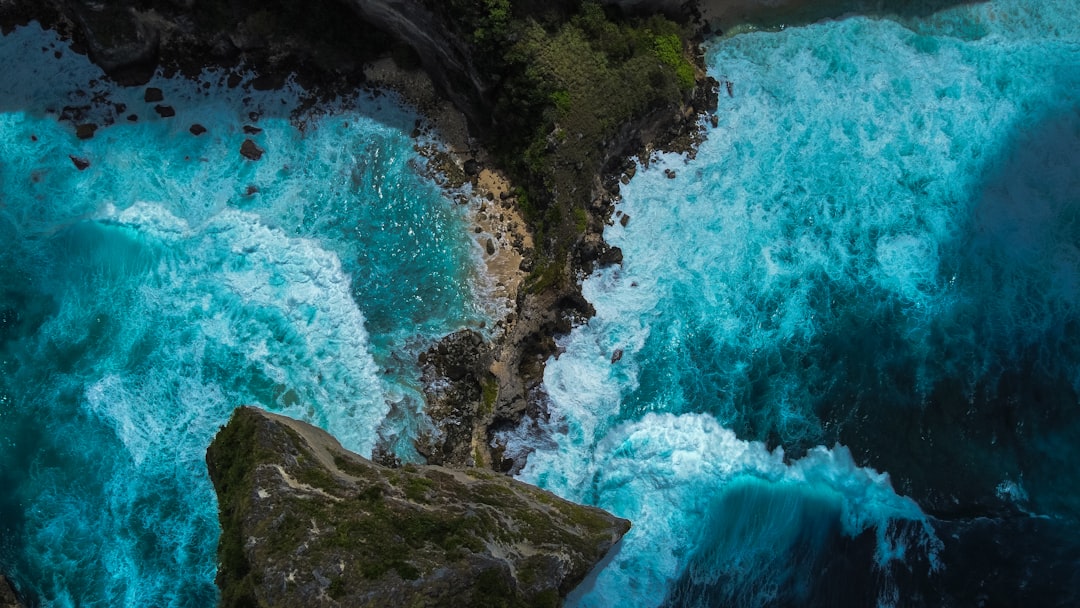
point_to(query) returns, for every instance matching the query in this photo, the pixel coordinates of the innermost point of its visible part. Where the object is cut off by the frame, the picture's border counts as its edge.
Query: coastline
(533, 283)
(493, 215)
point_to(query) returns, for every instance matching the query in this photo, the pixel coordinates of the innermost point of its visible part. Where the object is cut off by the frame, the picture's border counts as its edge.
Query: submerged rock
(307, 523)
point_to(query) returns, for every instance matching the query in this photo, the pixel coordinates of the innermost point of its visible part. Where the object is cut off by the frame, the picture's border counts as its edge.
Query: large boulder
(307, 523)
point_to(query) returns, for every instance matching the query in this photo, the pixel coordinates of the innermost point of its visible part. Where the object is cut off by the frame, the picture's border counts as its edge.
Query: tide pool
(145, 297)
(875, 250)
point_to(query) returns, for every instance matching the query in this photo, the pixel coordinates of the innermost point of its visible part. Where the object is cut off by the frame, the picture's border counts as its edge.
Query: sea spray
(880, 225)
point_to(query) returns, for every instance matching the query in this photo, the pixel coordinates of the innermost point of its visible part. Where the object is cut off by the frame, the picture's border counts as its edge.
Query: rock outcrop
(307, 523)
(8, 597)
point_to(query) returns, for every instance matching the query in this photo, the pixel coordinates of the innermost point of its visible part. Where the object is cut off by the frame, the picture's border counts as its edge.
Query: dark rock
(153, 95)
(121, 40)
(250, 150)
(133, 117)
(668, 173)
(471, 167)
(165, 111)
(490, 247)
(611, 257)
(624, 220)
(460, 396)
(250, 130)
(197, 129)
(8, 597)
(306, 523)
(85, 131)
(714, 120)
(251, 190)
(80, 162)
(617, 355)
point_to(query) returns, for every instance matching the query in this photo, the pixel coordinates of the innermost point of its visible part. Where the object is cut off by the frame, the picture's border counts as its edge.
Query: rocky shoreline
(129, 42)
(475, 386)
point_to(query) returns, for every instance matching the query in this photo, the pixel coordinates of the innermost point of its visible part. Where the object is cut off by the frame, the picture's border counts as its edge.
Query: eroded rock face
(8, 598)
(307, 523)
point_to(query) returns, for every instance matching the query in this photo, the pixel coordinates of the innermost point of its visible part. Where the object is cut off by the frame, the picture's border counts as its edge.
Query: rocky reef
(307, 523)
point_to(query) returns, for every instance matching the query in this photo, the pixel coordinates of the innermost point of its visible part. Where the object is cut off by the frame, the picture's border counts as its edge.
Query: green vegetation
(569, 89)
(569, 76)
(385, 525)
(490, 393)
(232, 459)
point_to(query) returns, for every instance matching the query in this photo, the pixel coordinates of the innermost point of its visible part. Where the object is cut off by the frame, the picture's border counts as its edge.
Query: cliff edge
(307, 523)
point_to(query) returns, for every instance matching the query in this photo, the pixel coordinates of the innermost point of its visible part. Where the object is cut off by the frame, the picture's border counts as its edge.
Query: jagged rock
(153, 95)
(8, 597)
(80, 162)
(250, 150)
(197, 129)
(85, 131)
(459, 397)
(611, 257)
(307, 523)
(165, 111)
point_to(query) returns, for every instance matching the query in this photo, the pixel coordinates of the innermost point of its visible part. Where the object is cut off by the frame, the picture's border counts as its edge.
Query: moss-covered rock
(307, 523)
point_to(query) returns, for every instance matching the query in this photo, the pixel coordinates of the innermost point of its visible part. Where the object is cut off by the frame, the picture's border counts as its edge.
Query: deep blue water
(849, 328)
(877, 249)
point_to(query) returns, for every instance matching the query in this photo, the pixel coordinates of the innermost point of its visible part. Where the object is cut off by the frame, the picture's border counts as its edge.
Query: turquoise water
(144, 298)
(849, 329)
(878, 246)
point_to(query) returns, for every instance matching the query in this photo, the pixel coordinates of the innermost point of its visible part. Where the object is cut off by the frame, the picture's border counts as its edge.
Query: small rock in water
(715, 120)
(85, 131)
(165, 111)
(669, 173)
(133, 117)
(616, 356)
(80, 162)
(250, 150)
(153, 94)
(251, 190)
(250, 130)
(624, 220)
(197, 129)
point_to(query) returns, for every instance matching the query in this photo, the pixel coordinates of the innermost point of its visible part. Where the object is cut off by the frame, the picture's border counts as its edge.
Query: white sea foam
(173, 280)
(822, 235)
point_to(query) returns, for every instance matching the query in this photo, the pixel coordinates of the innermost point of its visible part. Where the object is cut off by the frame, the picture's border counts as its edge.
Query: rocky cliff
(307, 523)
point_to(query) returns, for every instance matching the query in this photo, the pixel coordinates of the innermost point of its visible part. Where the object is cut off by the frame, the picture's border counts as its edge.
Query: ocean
(849, 328)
